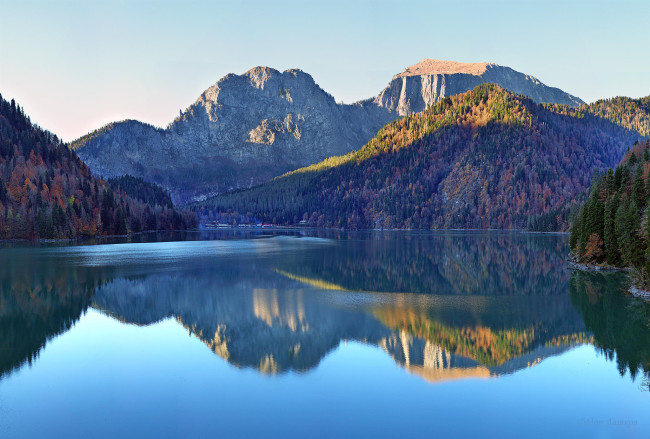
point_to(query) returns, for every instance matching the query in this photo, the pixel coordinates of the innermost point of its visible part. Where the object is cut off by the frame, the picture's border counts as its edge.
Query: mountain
(487, 158)
(425, 83)
(47, 192)
(244, 130)
(249, 128)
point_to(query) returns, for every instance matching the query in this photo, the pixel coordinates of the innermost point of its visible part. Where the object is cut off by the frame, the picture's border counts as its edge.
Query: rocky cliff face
(425, 83)
(244, 130)
(247, 129)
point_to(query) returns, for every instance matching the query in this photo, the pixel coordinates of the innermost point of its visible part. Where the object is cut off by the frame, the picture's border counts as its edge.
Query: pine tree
(3, 192)
(618, 177)
(621, 228)
(636, 240)
(610, 182)
(120, 222)
(610, 239)
(632, 161)
(638, 190)
(646, 265)
(574, 238)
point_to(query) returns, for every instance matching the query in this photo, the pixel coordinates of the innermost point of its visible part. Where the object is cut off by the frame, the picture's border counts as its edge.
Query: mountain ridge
(246, 129)
(487, 158)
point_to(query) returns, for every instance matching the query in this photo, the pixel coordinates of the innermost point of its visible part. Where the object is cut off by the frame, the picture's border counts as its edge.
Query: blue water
(331, 335)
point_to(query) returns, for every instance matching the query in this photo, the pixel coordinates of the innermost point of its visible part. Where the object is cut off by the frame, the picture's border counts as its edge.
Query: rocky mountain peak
(260, 75)
(425, 83)
(248, 128)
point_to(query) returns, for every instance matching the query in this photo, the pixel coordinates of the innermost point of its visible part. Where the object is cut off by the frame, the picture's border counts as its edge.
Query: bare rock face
(425, 83)
(244, 130)
(247, 129)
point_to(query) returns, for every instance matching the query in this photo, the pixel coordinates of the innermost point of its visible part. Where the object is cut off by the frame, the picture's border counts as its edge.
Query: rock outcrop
(247, 129)
(425, 83)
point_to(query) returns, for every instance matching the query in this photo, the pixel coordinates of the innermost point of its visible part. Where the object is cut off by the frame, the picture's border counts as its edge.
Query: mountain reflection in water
(443, 306)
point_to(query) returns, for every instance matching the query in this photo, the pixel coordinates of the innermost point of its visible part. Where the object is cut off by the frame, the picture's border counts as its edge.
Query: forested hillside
(633, 114)
(613, 225)
(47, 192)
(487, 158)
(141, 190)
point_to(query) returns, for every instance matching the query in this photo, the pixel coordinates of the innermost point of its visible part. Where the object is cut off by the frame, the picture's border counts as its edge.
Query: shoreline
(88, 238)
(634, 290)
(639, 292)
(591, 267)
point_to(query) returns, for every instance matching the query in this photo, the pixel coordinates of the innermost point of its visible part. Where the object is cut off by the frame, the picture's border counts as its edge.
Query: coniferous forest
(47, 192)
(612, 227)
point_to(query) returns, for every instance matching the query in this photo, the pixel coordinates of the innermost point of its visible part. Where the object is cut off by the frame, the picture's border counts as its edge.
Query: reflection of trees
(620, 324)
(273, 311)
(266, 319)
(250, 316)
(39, 299)
(492, 331)
(446, 263)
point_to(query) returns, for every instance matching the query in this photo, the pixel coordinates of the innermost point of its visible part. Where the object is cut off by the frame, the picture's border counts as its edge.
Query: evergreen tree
(610, 238)
(120, 222)
(610, 182)
(638, 190)
(3, 192)
(625, 217)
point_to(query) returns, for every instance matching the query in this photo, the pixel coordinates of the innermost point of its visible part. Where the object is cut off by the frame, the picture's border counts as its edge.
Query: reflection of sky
(106, 379)
(177, 252)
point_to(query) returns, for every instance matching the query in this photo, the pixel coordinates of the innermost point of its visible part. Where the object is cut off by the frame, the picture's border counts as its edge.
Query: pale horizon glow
(75, 65)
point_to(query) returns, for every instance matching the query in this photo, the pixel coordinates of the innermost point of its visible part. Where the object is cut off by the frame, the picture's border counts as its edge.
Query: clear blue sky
(76, 65)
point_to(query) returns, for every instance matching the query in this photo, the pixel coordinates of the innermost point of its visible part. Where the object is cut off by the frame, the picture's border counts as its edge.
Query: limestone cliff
(428, 81)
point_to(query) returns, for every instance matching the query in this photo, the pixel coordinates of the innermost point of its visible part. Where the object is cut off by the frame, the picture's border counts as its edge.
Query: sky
(75, 65)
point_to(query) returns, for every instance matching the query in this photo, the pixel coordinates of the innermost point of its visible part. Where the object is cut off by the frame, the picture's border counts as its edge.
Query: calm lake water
(323, 334)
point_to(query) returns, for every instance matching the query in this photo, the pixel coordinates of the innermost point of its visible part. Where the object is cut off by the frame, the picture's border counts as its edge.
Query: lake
(318, 334)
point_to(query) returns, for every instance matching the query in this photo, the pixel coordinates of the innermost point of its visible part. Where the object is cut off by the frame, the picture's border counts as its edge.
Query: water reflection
(443, 306)
(39, 299)
(620, 324)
